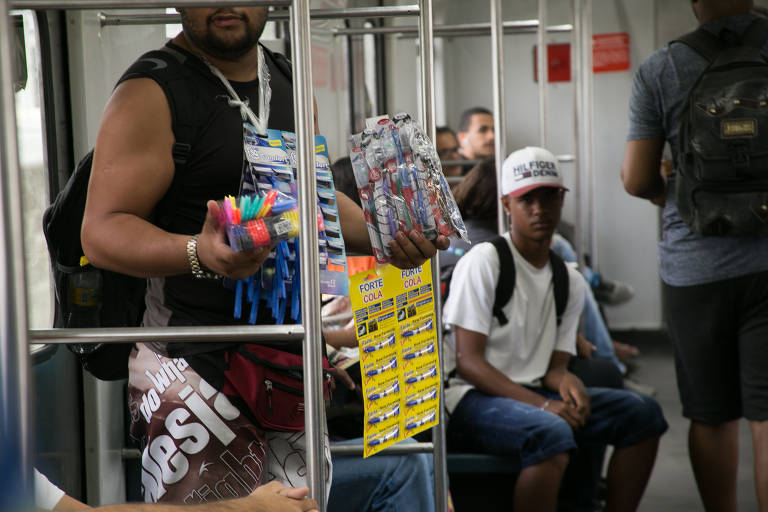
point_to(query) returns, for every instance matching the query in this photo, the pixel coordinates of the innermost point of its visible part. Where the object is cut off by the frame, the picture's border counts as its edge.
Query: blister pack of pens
(331, 250)
(401, 184)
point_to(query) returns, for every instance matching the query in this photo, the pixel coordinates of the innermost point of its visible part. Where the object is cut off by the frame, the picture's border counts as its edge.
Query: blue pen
(429, 349)
(432, 372)
(391, 413)
(394, 388)
(421, 421)
(388, 366)
(389, 341)
(391, 434)
(430, 394)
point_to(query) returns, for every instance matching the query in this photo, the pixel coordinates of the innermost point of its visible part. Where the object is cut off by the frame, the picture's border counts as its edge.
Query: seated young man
(512, 393)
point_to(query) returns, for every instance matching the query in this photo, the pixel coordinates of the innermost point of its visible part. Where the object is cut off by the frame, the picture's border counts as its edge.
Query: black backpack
(87, 296)
(505, 285)
(722, 168)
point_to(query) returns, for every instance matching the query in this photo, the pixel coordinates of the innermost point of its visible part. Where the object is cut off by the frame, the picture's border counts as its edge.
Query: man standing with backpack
(192, 405)
(511, 393)
(705, 96)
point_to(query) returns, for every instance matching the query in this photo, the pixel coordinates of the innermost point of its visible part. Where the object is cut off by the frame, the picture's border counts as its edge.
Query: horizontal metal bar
(510, 27)
(242, 333)
(336, 449)
(357, 449)
(453, 163)
(136, 4)
(106, 19)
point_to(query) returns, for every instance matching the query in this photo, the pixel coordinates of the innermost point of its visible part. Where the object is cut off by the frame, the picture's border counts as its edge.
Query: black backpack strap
(561, 284)
(703, 42)
(757, 34)
(172, 70)
(506, 282)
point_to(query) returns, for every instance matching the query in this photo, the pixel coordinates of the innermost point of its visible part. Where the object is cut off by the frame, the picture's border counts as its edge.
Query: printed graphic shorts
(196, 446)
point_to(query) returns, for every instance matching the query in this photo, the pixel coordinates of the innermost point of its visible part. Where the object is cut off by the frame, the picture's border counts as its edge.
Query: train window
(34, 177)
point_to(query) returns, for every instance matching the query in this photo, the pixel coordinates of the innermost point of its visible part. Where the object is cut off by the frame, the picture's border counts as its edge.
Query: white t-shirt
(522, 348)
(47, 495)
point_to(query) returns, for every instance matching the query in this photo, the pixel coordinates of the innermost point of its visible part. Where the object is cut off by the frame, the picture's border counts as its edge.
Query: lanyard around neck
(265, 94)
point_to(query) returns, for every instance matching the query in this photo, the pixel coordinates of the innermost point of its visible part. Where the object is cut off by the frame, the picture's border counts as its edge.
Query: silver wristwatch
(194, 261)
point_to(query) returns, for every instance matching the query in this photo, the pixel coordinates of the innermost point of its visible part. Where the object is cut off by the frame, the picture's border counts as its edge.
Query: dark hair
(477, 194)
(344, 178)
(466, 116)
(444, 129)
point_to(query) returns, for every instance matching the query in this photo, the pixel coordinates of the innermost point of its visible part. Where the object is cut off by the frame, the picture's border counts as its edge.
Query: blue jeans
(503, 426)
(595, 329)
(382, 483)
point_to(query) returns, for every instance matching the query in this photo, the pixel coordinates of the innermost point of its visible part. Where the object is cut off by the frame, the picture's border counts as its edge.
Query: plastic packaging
(401, 184)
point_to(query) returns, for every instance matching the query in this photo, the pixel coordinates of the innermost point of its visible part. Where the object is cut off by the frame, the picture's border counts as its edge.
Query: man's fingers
(297, 493)
(309, 505)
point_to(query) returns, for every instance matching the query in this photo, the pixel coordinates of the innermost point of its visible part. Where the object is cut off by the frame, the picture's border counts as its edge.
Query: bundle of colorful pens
(401, 184)
(254, 221)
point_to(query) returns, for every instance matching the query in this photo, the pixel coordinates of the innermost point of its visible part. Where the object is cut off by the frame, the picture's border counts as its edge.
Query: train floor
(672, 486)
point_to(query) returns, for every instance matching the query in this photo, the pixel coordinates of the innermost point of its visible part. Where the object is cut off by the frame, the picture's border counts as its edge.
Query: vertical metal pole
(578, 113)
(499, 108)
(16, 421)
(310, 285)
(586, 240)
(588, 176)
(427, 49)
(542, 68)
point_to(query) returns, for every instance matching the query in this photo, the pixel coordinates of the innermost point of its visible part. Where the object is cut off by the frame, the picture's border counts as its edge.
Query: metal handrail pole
(397, 449)
(137, 4)
(343, 450)
(314, 411)
(427, 53)
(542, 75)
(467, 29)
(106, 19)
(499, 108)
(199, 334)
(589, 157)
(576, 71)
(15, 373)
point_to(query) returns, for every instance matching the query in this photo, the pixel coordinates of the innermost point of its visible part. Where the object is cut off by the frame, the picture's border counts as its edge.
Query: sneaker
(613, 292)
(633, 385)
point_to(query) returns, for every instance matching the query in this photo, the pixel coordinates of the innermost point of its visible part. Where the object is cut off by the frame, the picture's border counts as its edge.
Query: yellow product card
(397, 336)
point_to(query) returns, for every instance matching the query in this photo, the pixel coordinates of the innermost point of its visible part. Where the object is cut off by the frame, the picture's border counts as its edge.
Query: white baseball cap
(527, 169)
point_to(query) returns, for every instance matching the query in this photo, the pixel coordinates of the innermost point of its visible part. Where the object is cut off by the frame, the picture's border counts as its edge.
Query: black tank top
(213, 170)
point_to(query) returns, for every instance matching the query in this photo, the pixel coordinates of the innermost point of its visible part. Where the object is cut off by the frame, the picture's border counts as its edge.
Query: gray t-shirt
(659, 90)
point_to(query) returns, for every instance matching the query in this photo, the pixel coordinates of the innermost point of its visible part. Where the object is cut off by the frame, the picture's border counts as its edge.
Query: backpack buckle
(740, 156)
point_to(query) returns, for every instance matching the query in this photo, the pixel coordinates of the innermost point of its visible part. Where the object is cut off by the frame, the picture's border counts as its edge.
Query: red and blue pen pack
(401, 184)
(269, 181)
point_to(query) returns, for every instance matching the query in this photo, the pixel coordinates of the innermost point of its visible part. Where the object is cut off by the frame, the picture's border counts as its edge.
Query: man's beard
(221, 48)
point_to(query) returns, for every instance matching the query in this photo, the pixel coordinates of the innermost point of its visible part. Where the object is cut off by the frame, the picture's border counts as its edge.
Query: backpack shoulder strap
(561, 284)
(703, 43)
(505, 285)
(172, 70)
(757, 34)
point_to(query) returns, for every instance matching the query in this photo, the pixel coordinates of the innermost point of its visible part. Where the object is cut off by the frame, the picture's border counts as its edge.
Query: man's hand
(215, 255)
(275, 497)
(575, 396)
(413, 250)
(583, 347)
(566, 411)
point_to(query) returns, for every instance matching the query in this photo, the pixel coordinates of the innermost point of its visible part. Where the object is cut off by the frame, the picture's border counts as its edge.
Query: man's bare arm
(640, 170)
(475, 369)
(132, 170)
(272, 497)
